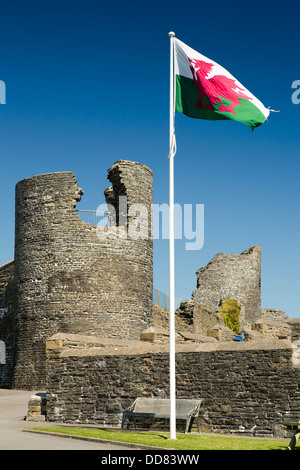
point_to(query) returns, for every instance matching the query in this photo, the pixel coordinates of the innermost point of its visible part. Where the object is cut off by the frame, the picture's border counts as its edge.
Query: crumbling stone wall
(271, 329)
(229, 276)
(7, 325)
(294, 324)
(248, 388)
(196, 318)
(68, 278)
(273, 315)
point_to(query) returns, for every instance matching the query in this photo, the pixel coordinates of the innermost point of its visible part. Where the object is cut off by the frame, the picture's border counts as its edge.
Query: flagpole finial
(171, 34)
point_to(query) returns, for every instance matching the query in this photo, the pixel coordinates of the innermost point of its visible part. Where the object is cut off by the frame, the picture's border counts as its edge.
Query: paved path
(13, 409)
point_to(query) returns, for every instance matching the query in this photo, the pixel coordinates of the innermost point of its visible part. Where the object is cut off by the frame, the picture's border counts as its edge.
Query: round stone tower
(73, 277)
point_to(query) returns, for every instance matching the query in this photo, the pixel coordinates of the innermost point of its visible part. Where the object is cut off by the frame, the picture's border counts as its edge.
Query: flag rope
(173, 147)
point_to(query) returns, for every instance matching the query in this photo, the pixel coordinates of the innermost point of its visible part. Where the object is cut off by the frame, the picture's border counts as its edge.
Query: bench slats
(159, 408)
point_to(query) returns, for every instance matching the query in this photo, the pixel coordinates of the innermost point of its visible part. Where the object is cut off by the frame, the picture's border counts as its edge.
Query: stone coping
(6, 264)
(292, 320)
(97, 346)
(47, 175)
(129, 163)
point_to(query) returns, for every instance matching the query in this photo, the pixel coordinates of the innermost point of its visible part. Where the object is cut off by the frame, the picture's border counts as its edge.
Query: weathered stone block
(37, 407)
(221, 333)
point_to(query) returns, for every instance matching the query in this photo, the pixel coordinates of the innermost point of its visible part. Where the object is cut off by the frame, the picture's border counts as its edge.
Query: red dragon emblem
(215, 88)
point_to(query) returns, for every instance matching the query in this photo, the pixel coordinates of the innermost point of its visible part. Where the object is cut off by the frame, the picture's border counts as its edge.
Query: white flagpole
(171, 248)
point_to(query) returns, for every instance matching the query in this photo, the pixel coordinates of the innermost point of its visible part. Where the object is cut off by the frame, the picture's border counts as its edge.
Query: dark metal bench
(159, 408)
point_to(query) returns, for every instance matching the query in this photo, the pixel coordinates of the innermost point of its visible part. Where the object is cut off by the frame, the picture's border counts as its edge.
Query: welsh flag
(205, 90)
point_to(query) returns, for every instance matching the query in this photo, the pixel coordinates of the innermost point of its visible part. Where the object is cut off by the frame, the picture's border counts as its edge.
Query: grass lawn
(183, 441)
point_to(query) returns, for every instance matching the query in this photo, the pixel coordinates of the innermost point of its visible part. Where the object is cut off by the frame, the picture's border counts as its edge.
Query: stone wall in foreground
(247, 387)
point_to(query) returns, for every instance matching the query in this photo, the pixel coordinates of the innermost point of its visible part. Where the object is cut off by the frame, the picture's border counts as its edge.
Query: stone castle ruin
(228, 277)
(77, 319)
(65, 278)
(232, 276)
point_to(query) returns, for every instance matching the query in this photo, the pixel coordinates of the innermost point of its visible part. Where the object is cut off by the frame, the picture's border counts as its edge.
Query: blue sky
(88, 83)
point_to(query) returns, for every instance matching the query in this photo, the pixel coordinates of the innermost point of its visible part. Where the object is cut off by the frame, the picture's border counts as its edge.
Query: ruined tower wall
(232, 276)
(7, 326)
(68, 277)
